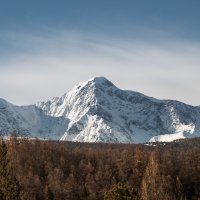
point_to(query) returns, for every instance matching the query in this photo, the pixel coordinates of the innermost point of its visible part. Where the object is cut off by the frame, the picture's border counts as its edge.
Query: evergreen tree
(9, 188)
(121, 192)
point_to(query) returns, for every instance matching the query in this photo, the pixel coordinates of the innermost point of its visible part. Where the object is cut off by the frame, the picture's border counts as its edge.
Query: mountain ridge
(97, 111)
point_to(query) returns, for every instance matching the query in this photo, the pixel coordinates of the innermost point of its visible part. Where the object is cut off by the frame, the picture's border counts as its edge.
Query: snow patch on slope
(182, 132)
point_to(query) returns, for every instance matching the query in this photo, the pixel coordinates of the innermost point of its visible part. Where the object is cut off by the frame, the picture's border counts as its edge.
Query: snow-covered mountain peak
(84, 95)
(97, 111)
(102, 81)
(97, 82)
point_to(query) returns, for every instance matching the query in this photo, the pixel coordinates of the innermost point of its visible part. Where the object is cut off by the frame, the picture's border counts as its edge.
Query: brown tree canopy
(66, 170)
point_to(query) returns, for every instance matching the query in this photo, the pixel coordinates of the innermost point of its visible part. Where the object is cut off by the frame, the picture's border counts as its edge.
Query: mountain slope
(100, 112)
(97, 111)
(29, 121)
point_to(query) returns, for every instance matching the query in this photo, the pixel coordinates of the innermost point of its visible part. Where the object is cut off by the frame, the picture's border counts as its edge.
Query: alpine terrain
(98, 111)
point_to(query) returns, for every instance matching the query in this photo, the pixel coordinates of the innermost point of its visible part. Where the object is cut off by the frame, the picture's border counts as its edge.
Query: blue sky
(46, 47)
(122, 18)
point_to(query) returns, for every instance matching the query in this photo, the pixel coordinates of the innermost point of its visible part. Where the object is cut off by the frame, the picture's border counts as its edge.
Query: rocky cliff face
(97, 111)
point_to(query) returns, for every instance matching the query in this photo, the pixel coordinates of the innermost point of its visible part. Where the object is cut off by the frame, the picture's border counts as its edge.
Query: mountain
(29, 121)
(98, 111)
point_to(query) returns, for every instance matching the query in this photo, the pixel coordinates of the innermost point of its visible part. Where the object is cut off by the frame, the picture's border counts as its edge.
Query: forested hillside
(64, 170)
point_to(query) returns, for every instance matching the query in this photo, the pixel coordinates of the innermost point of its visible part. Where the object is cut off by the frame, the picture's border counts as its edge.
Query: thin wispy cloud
(40, 67)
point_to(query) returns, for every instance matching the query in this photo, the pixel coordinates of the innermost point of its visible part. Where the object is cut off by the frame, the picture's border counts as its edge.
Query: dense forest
(37, 170)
